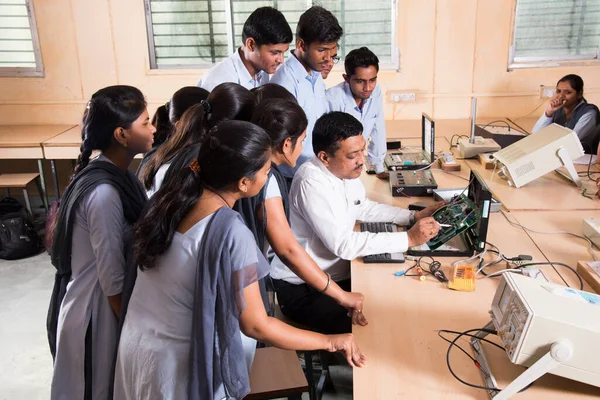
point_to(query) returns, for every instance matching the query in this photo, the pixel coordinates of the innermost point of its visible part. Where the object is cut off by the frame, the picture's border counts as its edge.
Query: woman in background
(226, 102)
(570, 109)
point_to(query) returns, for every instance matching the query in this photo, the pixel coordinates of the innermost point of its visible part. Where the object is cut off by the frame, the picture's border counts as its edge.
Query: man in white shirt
(266, 36)
(326, 201)
(317, 36)
(360, 96)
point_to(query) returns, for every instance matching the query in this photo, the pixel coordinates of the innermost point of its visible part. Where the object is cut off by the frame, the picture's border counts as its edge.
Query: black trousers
(305, 305)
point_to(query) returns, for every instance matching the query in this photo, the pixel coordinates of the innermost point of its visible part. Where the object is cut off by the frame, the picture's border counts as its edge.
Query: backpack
(18, 238)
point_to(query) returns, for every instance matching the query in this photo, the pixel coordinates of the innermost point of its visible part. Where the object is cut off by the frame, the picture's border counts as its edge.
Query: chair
(276, 373)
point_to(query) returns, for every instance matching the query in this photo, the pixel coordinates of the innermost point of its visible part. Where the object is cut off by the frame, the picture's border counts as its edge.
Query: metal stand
(44, 194)
(560, 352)
(55, 179)
(564, 156)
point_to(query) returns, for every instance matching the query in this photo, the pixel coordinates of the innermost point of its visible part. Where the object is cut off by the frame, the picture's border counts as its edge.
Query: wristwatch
(411, 217)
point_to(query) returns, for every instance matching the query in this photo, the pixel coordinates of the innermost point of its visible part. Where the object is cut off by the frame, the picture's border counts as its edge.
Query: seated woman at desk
(570, 109)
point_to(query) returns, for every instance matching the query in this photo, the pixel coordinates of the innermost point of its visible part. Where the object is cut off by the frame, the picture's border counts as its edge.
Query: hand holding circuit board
(454, 218)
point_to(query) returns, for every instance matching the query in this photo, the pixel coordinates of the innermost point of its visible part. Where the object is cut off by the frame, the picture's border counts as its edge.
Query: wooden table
(406, 358)
(65, 146)
(25, 142)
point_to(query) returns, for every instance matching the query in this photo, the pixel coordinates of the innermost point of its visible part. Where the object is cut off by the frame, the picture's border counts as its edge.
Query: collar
(349, 98)
(299, 71)
(315, 160)
(241, 69)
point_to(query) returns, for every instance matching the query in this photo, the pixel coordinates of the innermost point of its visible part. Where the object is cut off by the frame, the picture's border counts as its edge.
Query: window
(555, 30)
(19, 45)
(196, 33)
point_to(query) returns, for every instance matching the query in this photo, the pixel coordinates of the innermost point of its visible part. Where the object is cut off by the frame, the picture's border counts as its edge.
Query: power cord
(433, 268)
(453, 344)
(498, 120)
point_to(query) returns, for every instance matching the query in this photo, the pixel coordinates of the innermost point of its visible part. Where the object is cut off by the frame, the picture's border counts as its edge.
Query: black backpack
(18, 238)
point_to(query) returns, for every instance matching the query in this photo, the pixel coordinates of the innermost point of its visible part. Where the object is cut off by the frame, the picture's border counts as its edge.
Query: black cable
(453, 343)
(458, 137)
(589, 173)
(498, 120)
(552, 263)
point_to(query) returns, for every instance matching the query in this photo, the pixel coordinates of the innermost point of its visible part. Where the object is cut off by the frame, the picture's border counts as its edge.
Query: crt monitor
(428, 137)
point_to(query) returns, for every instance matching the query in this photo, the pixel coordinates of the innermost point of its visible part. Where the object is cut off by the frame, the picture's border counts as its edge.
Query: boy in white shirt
(266, 37)
(326, 201)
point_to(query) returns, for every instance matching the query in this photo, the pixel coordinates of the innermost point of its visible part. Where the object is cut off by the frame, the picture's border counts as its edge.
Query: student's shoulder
(335, 94)
(220, 73)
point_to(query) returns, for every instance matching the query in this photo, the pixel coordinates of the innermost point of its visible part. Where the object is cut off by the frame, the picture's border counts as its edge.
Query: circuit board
(461, 214)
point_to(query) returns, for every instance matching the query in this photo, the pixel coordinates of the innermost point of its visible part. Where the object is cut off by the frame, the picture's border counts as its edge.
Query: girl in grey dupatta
(197, 280)
(91, 235)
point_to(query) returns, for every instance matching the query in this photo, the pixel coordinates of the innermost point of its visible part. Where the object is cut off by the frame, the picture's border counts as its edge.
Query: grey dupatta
(216, 347)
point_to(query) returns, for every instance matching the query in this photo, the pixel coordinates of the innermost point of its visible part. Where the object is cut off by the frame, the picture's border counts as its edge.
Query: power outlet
(398, 97)
(547, 92)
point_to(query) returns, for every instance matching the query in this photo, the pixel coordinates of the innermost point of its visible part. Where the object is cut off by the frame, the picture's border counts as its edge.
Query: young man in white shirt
(326, 201)
(360, 96)
(266, 36)
(317, 36)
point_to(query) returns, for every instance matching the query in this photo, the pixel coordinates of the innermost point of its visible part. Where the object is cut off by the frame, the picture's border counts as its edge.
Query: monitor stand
(564, 156)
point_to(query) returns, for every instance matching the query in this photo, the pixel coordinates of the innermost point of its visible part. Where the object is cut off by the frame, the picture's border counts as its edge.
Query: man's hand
(428, 212)
(383, 175)
(423, 230)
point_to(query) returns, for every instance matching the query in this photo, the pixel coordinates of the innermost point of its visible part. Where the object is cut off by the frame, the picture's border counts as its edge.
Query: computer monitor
(536, 155)
(428, 136)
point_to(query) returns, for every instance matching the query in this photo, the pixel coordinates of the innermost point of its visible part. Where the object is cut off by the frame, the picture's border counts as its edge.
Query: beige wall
(450, 51)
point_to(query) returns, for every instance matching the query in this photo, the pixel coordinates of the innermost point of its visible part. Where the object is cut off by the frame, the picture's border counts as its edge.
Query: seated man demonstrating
(326, 201)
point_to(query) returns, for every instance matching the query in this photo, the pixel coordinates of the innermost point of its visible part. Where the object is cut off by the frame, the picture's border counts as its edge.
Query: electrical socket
(547, 92)
(397, 97)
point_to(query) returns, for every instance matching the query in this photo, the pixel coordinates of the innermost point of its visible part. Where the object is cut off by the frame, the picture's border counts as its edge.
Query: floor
(25, 361)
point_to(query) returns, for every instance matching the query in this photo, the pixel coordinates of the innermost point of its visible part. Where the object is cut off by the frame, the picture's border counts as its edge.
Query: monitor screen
(428, 135)
(480, 194)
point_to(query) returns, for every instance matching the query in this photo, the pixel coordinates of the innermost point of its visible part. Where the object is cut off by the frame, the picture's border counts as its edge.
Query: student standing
(360, 96)
(326, 201)
(266, 37)
(334, 59)
(197, 281)
(91, 238)
(317, 37)
(227, 101)
(570, 109)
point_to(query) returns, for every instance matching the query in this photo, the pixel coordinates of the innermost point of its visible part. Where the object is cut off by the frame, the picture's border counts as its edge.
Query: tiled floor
(25, 361)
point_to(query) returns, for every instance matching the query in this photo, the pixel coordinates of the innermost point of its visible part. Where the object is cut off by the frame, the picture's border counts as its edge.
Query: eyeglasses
(336, 59)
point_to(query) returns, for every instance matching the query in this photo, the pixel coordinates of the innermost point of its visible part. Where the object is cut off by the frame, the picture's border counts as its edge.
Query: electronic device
(379, 227)
(591, 230)
(448, 163)
(504, 135)
(450, 194)
(466, 239)
(536, 155)
(546, 327)
(469, 148)
(412, 183)
(418, 206)
(463, 278)
(403, 160)
(393, 144)
(590, 271)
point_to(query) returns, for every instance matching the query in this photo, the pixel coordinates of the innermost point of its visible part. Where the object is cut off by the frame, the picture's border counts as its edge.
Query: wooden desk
(406, 358)
(562, 248)
(25, 142)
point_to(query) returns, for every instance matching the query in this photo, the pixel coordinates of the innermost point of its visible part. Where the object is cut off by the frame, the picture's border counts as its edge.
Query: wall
(451, 50)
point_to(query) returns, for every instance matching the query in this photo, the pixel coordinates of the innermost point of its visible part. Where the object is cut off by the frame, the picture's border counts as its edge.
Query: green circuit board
(461, 214)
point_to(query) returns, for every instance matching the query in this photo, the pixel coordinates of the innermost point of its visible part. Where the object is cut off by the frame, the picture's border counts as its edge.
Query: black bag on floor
(18, 238)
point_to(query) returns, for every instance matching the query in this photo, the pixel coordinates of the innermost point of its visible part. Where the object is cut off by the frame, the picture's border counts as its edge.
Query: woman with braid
(92, 237)
(227, 101)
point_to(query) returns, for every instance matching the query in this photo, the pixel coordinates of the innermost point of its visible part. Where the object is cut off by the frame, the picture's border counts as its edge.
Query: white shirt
(309, 91)
(323, 212)
(371, 116)
(232, 69)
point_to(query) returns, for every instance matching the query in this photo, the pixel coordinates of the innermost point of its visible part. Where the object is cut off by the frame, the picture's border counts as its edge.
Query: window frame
(543, 61)
(394, 64)
(38, 70)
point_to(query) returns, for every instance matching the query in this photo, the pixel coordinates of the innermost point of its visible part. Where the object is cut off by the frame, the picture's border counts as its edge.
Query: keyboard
(379, 227)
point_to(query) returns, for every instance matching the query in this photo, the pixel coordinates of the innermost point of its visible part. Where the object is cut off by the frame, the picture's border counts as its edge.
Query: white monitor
(536, 155)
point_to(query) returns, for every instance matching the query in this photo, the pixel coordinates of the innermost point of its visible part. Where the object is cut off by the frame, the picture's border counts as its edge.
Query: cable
(458, 137)
(453, 343)
(502, 272)
(498, 120)
(552, 233)
(552, 263)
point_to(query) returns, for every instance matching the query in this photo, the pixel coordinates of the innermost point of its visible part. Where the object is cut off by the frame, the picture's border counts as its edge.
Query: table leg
(55, 179)
(44, 194)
